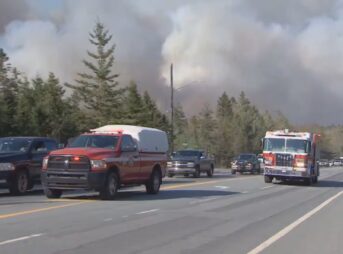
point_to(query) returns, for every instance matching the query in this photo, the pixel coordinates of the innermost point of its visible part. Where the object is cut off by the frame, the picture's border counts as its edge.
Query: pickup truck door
(204, 162)
(38, 151)
(130, 160)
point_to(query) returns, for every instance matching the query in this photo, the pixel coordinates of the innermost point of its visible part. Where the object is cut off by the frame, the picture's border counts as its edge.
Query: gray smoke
(286, 55)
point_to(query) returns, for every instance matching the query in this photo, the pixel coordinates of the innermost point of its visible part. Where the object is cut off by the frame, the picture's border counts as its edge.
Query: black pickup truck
(21, 161)
(190, 162)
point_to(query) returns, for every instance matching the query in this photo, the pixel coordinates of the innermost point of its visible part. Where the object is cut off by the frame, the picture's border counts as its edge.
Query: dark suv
(246, 162)
(21, 161)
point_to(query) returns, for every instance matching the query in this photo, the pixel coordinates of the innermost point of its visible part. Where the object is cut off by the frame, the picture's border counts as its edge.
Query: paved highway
(225, 214)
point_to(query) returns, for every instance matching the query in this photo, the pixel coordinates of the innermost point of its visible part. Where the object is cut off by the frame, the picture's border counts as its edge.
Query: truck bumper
(73, 181)
(180, 171)
(285, 173)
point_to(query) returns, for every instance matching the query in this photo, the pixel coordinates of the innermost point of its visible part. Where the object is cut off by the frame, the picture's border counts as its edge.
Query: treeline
(45, 107)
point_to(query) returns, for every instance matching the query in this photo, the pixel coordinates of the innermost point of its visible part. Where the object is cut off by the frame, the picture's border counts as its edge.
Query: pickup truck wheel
(110, 189)
(20, 183)
(51, 193)
(210, 171)
(196, 174)
(268, 179)
(154, 183)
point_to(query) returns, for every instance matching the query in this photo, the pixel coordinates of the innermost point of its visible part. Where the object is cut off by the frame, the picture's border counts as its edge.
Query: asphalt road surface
(223, 214)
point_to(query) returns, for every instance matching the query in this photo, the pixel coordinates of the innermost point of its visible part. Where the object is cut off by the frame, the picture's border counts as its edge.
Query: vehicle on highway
(291, 156)
(324, 163)
(190, 162)
(21, 161)
(337, 162)
(106, 159)
(246, 163)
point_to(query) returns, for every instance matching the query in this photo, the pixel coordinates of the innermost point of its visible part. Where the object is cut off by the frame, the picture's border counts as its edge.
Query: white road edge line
(20, 239)
(267, 187)
(202, 200)
(222, 187)
(108, 219)
(148, 211)
(291, 226)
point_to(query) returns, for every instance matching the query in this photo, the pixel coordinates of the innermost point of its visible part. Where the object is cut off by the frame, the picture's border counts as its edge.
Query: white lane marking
(221, 187)
(291, 226)
(148, 211)
(267, 187)
(202, 200)
(245, 192)
(125, 216)
(20, 239)
(108, 219)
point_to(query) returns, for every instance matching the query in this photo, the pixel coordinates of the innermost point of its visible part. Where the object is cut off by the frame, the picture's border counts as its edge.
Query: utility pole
(172, 109)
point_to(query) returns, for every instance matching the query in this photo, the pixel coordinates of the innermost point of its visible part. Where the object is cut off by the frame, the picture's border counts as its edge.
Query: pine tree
(133, 107)
(98, 89)
(152, 115)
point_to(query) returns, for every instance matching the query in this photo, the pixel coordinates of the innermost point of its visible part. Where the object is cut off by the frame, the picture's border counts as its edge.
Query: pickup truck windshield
(14, 145)
(96, 141)
(286, 145)
(187, 153)
(245, 157)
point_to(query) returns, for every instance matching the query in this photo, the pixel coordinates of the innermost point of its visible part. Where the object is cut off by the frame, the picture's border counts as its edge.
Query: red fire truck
(291, 156)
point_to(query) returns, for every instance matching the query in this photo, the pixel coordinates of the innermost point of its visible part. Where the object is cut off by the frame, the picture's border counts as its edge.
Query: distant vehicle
(324, 163)
(337, 162)
(190, 162)
(246, 163)
(290, 156)
(21, 161)
(106, 159)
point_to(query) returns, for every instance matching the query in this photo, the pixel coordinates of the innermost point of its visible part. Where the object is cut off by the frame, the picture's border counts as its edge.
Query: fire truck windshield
(286, 145)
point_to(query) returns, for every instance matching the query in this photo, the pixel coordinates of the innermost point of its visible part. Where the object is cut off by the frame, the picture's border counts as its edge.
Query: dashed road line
(148, 211)
(20, 239)
(267, 187)
(202, 200)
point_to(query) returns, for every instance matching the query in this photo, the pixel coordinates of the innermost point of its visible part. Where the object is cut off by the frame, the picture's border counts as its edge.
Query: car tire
(210, 171)
(233, 172)
(268, 179)
(109, 191)
(52, 193)
(170, 175)
(154, 183)
(196, 174)
(19, 184)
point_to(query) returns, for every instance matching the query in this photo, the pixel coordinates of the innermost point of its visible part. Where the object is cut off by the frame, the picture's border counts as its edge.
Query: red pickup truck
(106, 159)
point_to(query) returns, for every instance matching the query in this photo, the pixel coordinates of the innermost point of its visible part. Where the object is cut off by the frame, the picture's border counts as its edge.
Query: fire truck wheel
(110, 189)
(308, 181)
(154, 183)
(268, 179)
(315, 179)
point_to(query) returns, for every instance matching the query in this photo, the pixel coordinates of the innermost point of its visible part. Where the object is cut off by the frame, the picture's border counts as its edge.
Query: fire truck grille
(67, 163)
(284, 160)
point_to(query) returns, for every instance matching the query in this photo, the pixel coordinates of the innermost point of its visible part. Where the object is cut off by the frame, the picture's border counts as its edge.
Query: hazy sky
(286, 55)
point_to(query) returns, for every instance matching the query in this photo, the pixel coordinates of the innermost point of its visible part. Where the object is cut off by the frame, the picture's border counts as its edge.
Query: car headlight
(98, 165)
(6, 167)
(190, 164)
(45, 163)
